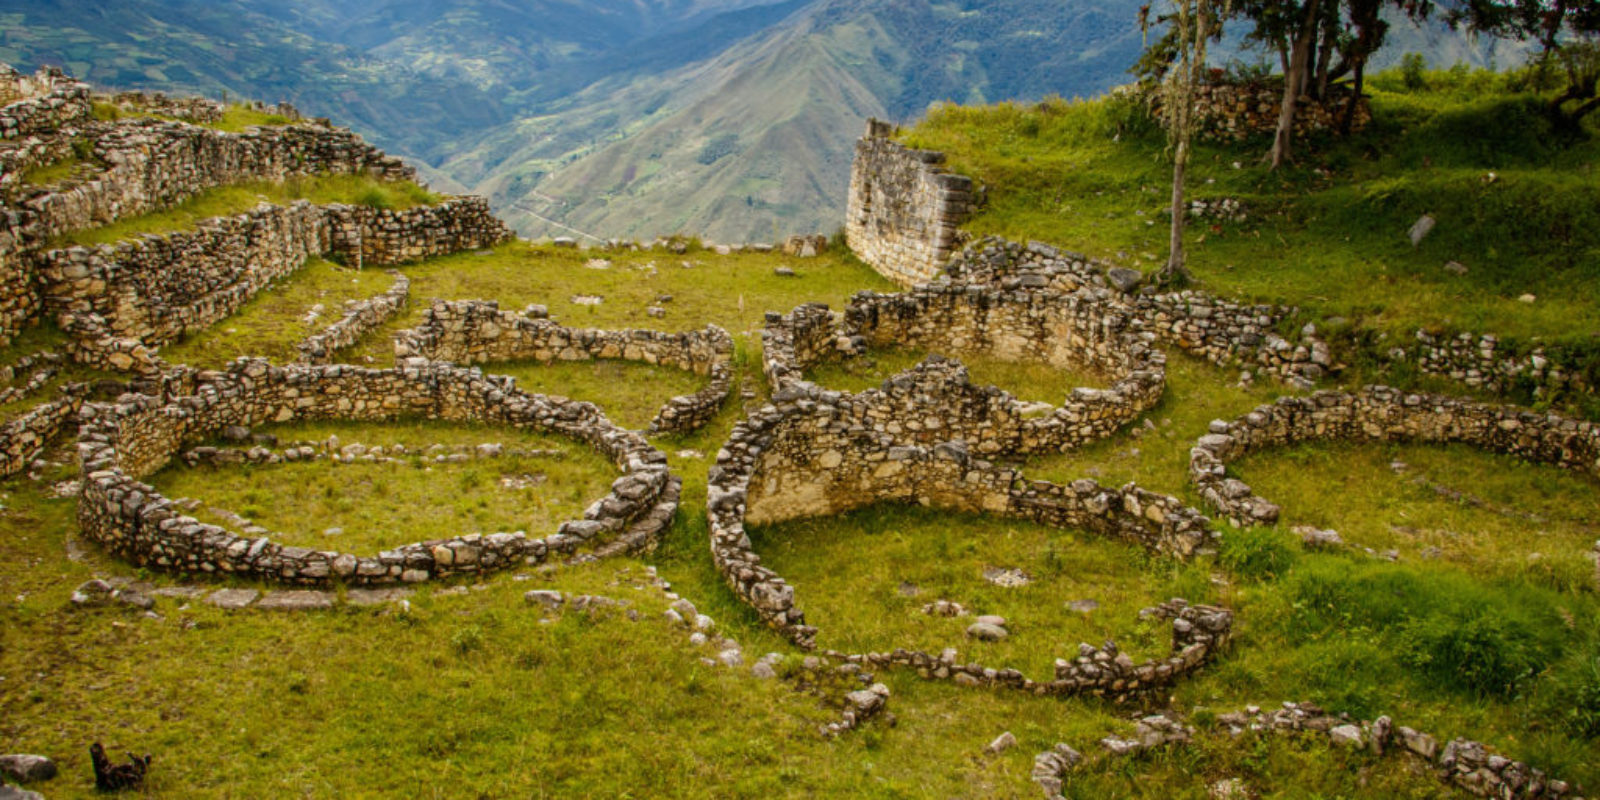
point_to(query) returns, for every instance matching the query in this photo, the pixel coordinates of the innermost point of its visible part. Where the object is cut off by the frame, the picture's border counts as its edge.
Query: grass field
(479, 694)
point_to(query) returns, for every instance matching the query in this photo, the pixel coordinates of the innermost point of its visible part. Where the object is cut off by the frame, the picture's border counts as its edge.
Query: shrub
(1479, 650)
(1256, 553)
(1412, 69)
(376, 197)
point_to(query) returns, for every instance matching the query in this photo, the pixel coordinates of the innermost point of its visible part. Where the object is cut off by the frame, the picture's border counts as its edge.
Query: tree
(1194, 24)
(1568, 33)
(1308, 35)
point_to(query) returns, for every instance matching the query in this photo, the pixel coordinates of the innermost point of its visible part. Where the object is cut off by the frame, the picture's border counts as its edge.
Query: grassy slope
(1329, 233)
(241, 197)
(473, 696)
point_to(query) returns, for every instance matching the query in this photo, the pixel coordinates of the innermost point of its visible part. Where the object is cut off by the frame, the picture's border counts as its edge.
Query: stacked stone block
(905, 210)
(124, 442)
(478, 332)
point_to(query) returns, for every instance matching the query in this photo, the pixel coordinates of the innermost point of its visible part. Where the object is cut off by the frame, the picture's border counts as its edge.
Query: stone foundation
(24, 437)
(121, 443)
(43, 103)
(1470, 766)
(1080, 330)
(359, 319)
(478, 332)
(157, 289)
(1233, 112)
(1380, 414)
(817, 452)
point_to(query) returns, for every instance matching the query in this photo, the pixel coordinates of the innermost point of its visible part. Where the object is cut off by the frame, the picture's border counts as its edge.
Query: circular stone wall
(1080, 330)
(1380, 414)
(124, 442)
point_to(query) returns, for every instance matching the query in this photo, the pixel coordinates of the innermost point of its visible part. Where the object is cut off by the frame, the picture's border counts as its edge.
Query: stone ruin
(123, 442)
(926, 436)
(478, 332)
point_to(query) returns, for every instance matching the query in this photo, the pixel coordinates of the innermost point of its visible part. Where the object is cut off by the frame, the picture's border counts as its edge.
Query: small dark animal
(109, 777)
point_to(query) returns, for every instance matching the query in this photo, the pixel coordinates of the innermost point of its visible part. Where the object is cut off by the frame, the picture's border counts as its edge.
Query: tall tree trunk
(1324, 57)
(1175, 256)
(1348, 124)
(1299, 58)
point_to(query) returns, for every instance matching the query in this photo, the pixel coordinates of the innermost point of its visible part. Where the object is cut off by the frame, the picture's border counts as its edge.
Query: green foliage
(1457, 633)
(725, 144)
(1256, 553)
(1578, 693)
(1479, 650)
(1412, 67)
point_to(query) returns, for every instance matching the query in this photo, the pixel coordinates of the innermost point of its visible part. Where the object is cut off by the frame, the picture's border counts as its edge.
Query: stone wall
(478, 332)
(1470, 766)
(151, 164)
(157, 289)
(817, 452)
(904, 210)
(1199, 633)
(24, 437)
(1380, 414)
(43, 103)
(196, 110)
(1233, 112)
(142, 165)
(895, 197)
(359, 318)
(1483, 361)
(1221, 331)
(121, 443)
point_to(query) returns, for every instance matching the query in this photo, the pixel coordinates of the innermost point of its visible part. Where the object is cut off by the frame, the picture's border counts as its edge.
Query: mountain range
(732, 119)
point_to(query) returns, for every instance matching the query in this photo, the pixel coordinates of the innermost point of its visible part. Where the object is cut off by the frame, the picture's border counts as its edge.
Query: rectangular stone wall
(156, 289)
(904, 209)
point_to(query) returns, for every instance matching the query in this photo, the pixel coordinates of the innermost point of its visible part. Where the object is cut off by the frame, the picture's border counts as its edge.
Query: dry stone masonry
(1463, 764)
(905, 210)
(1232, 112)
(41, 103)
(478, 332)
(1380, 414)
(123, 442)
(817, 452)
(359, 318)
(1068, 331)
(1198, 633)
(157, 289)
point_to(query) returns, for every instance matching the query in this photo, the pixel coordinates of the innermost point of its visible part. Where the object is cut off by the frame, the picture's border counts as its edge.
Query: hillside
(317, 483)
(1515, 252)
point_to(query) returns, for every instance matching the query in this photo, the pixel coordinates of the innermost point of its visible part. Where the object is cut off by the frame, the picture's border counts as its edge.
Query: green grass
(51, 173)
(631, 393)
(274, 321)
(1029, 382)
(235, 119)
(921, 555)
(379, 506)
(472, 696)
(239, 198)
(1328, 233)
